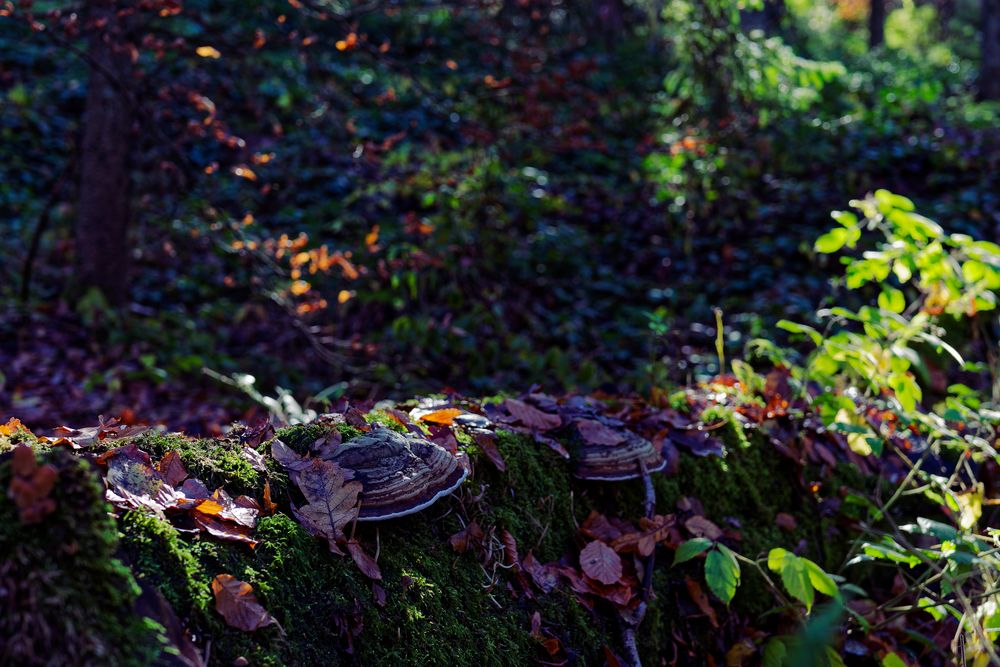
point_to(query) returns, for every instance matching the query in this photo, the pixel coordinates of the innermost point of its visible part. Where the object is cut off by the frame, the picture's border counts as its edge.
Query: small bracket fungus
(620, 461)
(399, 474)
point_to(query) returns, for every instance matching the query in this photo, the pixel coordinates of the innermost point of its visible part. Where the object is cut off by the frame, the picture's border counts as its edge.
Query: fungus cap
(618, 462)
(399, 474)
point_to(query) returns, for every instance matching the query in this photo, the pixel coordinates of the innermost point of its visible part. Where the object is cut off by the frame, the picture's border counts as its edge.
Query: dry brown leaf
(332, 501)
(699, 526)
(531, 416)
(487, 442)
(365, 563)
(171, 468)
(543, 575)
(224, 530)
(644, 542)
(469, 537)
(510, 557)
(235, 600)
(701, 600)
(269, 505)
(785, 521)
(596, 433)
(600, 562)
(30, 485)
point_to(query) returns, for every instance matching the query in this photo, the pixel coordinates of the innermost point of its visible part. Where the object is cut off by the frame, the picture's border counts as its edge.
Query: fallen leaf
(600, 562)
(699, 526)
(487, 442)
(30, 485)
(224, 530)
(235, 600)
(365, 563)
(531, 416)
(785, 521)
(332, 501)
(701, 600)
(133, 482)
(288, 458)
(644, 542)
(444, 417)
(510, 557)
(543, 575)
(12, 426)
(269, 505)
(469, 537)
(171, 468)
(596, 433)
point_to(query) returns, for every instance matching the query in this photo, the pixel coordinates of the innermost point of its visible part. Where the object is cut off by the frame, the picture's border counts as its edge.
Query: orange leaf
(12, 426)
(444, 417)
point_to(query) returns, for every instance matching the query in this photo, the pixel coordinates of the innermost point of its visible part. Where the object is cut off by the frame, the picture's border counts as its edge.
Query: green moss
(217, 463)
(19, 436)
(160, 557)
(532, 499)
(440, 607)
(381, 417)
(73, 597)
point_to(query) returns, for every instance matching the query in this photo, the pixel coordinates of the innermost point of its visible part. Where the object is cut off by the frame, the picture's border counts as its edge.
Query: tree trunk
(876, 24)
(102, 218)
(989, 74)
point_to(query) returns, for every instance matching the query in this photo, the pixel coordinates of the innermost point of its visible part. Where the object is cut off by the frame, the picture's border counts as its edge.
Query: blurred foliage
(406, 196)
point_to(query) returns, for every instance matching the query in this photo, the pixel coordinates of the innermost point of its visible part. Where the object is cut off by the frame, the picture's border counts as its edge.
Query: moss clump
(70, 599)
(217, 463)
(532, 499)
(383, 418)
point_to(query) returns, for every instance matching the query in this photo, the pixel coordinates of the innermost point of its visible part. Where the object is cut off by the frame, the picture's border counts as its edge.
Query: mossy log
(89, 585)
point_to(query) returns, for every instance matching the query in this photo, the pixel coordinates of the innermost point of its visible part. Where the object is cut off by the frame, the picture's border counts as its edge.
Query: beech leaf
(596, 433)
(531, 416)
(601, 563)
(235, 600)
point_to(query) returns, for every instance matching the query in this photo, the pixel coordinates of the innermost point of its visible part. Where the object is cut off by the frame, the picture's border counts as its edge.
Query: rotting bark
(103, 211)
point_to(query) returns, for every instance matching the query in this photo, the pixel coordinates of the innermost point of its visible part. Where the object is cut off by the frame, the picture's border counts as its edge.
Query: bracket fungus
(399, 474)
(623, 460)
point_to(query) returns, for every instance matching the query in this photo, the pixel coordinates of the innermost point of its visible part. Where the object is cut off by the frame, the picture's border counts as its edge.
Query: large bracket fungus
(631, 458)
(399, 474)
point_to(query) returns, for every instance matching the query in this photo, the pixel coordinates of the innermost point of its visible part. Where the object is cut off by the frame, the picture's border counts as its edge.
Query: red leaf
(601, 563)
(236, 601)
